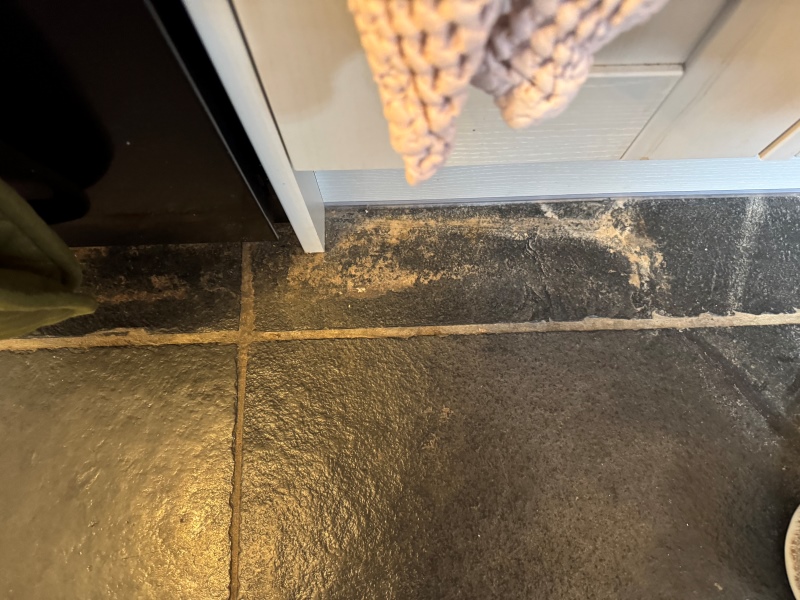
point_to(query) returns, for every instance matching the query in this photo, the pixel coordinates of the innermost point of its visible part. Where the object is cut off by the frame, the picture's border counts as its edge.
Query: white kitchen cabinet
(704, 98)
(740, 92)
(319, 86)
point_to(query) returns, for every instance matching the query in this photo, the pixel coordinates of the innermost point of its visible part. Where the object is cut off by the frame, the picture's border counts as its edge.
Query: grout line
(133, 337)
(704, 321)
(246, 328)
(247, 334)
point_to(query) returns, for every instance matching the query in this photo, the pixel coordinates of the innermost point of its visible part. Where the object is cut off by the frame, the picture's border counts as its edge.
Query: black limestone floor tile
(770, 273)
(167, 289)
(530, 262)
(698, 242)
(116, 469)
(453, 265)
(766, 362)
(566, 465)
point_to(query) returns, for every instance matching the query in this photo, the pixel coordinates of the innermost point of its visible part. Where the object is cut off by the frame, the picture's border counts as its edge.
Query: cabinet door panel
(327, 108)
(740, 91)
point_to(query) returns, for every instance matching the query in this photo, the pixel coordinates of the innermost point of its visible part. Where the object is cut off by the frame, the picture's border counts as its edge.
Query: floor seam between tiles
(246, 337)
(131, 338)
(781, 425)
(246, 329)
(585, 325)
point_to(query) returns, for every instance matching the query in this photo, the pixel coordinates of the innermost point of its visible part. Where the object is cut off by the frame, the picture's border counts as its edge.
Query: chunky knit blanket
(532, 56)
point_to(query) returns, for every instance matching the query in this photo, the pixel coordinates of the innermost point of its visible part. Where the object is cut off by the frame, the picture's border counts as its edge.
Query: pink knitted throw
(532, 56)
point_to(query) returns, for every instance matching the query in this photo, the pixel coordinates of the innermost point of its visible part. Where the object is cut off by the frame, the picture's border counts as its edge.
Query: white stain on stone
(753, 219)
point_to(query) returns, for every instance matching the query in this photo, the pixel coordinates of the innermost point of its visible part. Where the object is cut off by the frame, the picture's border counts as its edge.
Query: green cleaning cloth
(38, 272)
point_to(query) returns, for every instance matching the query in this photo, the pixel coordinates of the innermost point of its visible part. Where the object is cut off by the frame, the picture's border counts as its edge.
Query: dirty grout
(247, 333)
(131, 338)
(590, 324)
(246, 329)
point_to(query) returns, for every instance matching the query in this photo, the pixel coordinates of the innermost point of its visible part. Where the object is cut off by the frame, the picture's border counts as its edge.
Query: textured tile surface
(699, 241)
(558, 261)
(176, 289)
(770, 280)
(116, 469)
(604, 465)
(766, 360)
(457, 265)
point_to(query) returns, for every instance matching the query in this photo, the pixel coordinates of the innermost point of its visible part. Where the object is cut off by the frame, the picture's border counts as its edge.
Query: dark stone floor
(334, 457)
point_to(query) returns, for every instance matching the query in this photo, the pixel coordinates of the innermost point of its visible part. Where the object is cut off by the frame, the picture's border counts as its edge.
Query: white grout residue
(753, 218)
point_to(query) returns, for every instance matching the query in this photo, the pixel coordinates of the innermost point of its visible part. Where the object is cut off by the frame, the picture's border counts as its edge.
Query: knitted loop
(532, 56)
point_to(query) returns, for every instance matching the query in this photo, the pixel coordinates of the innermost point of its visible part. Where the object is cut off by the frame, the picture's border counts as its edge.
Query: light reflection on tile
(116, 467)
